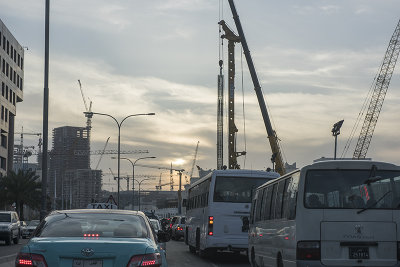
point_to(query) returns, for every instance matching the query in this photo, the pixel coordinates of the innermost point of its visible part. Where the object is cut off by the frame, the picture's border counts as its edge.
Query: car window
(33, 223)
(5, 217)
(94, 225)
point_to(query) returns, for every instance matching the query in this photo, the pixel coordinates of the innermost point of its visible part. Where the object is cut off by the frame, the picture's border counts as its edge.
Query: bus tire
(279, 261)
(192, 249)
(253, 262)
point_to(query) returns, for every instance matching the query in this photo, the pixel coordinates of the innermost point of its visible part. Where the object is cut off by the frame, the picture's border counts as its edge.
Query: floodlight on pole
(335, 133)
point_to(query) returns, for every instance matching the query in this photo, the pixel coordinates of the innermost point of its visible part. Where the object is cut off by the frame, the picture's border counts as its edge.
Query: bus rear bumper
(301, 263)
(229, 244)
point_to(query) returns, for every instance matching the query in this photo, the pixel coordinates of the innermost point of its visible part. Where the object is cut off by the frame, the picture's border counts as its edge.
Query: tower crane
(20, 151)
(378, 95)
(88, 109)
(272, 136)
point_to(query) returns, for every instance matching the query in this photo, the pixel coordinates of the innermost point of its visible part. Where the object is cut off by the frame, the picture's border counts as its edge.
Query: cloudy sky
(316, 60)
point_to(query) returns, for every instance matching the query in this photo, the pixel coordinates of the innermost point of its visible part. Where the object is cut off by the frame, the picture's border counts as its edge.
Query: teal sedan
(95, 238)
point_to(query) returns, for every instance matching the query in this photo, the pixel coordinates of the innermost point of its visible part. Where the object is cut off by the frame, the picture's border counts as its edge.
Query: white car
(9, 227)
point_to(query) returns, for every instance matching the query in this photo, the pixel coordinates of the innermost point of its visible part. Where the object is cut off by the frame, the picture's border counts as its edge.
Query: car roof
(97, 211)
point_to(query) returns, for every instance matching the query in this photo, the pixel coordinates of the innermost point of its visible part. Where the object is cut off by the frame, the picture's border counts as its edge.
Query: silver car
(9, 227)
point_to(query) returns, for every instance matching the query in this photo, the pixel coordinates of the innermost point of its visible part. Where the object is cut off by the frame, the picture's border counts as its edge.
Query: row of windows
(198, 195)
(10, 73)
(277, 200)
(8, 93)
(10, 50)
(4, 114)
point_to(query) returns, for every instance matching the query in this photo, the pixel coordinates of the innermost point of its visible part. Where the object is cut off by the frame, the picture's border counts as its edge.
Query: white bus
(218, 209)
(330, 213)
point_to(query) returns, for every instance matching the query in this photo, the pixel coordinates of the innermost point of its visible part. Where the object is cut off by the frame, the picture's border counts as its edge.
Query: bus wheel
(192, 249)
(253, 262)
(279, 262)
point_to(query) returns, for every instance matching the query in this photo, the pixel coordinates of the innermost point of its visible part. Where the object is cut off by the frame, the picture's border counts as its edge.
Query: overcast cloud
(316, 60)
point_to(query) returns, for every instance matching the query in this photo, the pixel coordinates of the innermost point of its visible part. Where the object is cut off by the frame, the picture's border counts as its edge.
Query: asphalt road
(178, 255)
(8, 253)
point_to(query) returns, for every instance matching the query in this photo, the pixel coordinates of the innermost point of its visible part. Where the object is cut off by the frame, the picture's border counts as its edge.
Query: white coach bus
(330, 213)
(218, 209)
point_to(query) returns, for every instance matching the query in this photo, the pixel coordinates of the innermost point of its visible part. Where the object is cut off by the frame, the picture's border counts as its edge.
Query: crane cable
(244, 114)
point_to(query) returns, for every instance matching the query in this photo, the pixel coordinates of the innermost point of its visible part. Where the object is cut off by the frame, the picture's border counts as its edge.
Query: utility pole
(43, 210)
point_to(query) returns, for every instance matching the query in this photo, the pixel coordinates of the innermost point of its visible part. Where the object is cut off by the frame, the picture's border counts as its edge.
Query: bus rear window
(352, 189)
(236, 189)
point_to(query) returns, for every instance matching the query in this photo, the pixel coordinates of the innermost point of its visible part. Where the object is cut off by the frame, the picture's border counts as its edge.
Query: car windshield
(236, 189)
(33, 223)
(89, 225)
(5, 217)
(352, 189)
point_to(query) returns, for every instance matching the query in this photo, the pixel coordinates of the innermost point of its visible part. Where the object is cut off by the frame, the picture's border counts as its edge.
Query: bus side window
(279, 199)
(285, 198)
(267, 203)
(292, 197)
(253, 209)
(258, 208)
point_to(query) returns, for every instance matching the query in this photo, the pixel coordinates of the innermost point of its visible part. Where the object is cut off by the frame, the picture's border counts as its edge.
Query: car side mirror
(163, 236)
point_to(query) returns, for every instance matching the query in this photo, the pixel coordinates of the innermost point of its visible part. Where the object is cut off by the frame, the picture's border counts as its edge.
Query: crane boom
(378, 95)
(273, 139)
(194, 159)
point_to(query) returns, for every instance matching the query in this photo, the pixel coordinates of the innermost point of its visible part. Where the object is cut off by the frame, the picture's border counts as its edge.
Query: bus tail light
(27, 259)
(308, 250)
(210, 225)
(150, 260)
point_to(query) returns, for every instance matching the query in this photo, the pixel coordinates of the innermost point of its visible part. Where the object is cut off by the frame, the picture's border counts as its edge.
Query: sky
(316, 61)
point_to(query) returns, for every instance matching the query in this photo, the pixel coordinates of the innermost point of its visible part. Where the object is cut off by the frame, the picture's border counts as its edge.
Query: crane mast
(232, 129)
(273, 139)
(378, 95)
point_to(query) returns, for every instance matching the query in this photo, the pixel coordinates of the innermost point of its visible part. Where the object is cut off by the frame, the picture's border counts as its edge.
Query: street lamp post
(139, 187)
(119, 124)
(133, 176)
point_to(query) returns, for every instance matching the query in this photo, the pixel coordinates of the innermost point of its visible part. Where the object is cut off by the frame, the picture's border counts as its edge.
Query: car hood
(5, 223)
(62, 250)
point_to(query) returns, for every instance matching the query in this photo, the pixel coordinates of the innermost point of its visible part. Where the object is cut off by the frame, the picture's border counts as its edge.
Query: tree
(21, 188)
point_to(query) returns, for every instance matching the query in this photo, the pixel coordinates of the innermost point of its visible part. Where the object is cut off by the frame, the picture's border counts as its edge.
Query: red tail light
(150, 260)
(179, 228)
(27, 259)
(210, 225)
(308, 250)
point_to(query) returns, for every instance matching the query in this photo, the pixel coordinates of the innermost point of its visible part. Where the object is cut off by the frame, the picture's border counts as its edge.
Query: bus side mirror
(184, 201)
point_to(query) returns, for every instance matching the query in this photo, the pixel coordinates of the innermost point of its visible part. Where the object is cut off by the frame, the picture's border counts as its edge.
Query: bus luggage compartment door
(358, 243)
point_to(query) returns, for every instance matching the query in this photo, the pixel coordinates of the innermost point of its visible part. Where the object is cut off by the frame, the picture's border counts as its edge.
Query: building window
(19, 61)
(4, 43)
(2, 112)
(4, 141)
(12, 52)
(4, 66)
(6, 92)
(8, 47)
(3, 163)
(13, 98)
(3, 89)
(6, 115)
